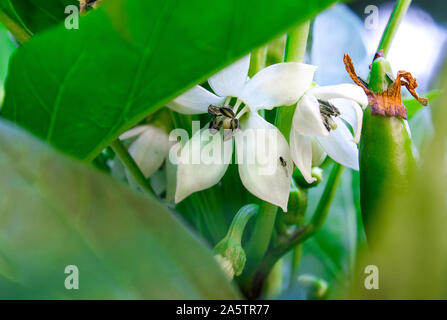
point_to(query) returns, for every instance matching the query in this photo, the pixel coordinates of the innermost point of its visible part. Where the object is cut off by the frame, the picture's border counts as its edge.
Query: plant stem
(260, 237)
(296, 259)
(257, 60)
(240, 220)
(16, 30)
(295, 51)
(393, 24)
(296, 43)
(131, 166)
(302, 233)
(265, 221)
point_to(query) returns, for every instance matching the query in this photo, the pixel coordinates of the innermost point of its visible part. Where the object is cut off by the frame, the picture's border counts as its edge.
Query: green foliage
(413, 106)
(57, 212)
(79, 89)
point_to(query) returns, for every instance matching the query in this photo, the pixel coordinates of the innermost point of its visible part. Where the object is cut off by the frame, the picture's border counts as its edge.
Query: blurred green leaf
(36, 15)
(56, 212)
(413, 106)
(79, 89)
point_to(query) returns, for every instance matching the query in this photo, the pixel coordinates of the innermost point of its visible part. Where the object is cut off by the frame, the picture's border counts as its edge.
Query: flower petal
(280, 84)
(203, 162)
(339, 146)
(265, 163)
(307, 119)
(195, 101)
(352, 113)
(230, 81)
(150, 150)
(344, 91)
(134, 132)
(301, 151)
(318, 153)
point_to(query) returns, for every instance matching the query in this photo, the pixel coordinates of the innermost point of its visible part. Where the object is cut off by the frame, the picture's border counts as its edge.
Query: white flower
(149, 150)
(276, 85)
(318, 128)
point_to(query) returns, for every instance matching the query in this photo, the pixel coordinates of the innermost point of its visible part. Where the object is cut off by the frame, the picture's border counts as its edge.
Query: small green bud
(318, 288)
(229, 252)
(317, 173)
(296, 206)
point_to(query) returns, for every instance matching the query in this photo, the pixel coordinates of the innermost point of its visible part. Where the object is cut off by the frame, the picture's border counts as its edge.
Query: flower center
(226, 117)
(327, 111)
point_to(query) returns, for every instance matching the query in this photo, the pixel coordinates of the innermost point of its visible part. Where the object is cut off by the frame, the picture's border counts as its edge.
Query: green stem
(240, 220)
(302, 234)
(296, 259)
(296, 43)
(16, 29)
(260, 237)
(295, 51)
(257, 60)
(265, 221)
(393, 24)
(130, 165)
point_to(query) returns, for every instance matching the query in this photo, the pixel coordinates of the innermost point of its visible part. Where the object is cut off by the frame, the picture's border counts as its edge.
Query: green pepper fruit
(386, 153)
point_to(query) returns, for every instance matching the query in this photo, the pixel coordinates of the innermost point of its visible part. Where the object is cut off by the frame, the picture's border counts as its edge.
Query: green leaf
(57, 212)
(36, 15)
(80, 89)
(414, 106)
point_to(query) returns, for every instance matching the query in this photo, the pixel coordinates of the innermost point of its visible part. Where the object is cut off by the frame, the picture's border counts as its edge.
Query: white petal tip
(180, 196)
(310, 180)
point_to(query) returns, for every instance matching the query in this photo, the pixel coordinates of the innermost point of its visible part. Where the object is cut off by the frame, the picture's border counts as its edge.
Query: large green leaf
(56, 212)
(36, 15)
(79, 89)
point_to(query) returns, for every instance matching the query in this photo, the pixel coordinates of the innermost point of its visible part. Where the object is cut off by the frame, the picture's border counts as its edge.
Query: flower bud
(317, 288)
(296, 206)
(229, 252)
(317, 173)
(231, 256)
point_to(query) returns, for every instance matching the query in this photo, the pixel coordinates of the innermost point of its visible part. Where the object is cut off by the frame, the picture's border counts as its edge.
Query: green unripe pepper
(386, 156)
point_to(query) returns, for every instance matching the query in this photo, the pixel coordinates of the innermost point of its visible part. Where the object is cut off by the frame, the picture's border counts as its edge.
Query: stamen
(243, 111)
(237, 105)
(328, 108)
(328, 122)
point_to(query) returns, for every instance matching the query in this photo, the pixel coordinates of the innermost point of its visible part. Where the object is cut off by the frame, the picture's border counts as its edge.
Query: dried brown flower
(388, 102)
